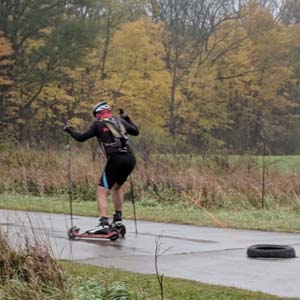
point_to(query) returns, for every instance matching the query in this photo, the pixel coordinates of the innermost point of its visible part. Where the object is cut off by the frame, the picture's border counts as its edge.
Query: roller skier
(111, 133)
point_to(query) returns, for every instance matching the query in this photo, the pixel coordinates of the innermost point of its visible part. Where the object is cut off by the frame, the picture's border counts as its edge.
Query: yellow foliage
(5, 61)
(247, 70)
(137, 77)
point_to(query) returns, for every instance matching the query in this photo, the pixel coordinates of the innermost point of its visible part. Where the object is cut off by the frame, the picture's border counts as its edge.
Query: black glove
(68, 128)
(122, 113)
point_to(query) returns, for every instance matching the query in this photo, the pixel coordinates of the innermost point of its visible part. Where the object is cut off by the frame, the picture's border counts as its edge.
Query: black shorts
(117, 168)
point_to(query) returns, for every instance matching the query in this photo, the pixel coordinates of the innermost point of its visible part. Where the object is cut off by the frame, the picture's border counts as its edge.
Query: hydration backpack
(119, 133)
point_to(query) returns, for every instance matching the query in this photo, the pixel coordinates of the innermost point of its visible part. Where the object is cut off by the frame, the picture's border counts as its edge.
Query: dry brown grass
(35, 171)
(214, 187)
(30, 272)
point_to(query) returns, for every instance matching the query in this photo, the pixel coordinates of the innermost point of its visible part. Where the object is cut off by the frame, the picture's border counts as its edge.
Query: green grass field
(287, 163)
(261, 219)
(145, 287)
(284, 163)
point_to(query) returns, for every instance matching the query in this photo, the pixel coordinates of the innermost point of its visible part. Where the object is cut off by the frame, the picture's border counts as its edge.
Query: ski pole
(70, 179)
(133, 205)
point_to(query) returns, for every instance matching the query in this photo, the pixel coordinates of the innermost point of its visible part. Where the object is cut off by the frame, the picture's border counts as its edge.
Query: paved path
(205, 254)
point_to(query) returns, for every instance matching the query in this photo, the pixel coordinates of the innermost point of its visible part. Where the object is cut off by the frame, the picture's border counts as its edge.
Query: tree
(114, 13)
(6, 80)
(190, 25)
(290, 12)
(258, 103)
(137, 78)
(45, 40)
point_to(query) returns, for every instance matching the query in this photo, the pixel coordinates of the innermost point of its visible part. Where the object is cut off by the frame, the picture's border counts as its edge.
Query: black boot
(117, 218)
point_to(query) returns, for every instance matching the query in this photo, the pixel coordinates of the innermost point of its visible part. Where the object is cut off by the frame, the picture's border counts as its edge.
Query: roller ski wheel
(74, 233)
(115, 235)
(120, 228)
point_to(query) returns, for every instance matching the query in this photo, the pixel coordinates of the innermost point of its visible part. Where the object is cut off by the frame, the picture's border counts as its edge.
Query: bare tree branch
(157, 254)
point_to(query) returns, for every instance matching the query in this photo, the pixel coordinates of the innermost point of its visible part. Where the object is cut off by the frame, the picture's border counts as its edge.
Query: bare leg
(118, 196)
(102, 201)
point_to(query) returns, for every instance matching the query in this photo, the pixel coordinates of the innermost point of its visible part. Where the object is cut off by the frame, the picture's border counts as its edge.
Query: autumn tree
(137, 76)
(257, 82)
(289, 142)
(6, 80)
(114, 13)
(243, 85)
(209, 73)
(46, 37)
(190, 25)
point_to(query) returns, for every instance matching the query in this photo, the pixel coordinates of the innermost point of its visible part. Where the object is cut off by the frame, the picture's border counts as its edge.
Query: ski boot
(102, 228)
(118, 224)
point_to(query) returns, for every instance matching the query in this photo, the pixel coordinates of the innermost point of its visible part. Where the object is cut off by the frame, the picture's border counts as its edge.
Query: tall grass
(25, 170)
(211, 183)
(29, 273)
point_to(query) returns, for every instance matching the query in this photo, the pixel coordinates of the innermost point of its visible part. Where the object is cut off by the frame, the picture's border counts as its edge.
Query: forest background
(203, 73)
(208, 82)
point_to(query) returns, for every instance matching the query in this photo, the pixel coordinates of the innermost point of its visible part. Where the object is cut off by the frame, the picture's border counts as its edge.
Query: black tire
(122, 230)
(71, 230)
(115, 236)
(70, 234)
(271, 251)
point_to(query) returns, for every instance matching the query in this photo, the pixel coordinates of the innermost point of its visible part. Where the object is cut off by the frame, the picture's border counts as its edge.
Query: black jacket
(103, 134)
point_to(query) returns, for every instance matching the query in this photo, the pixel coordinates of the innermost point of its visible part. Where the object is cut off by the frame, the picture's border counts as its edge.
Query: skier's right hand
(68, 128)
(122, 113)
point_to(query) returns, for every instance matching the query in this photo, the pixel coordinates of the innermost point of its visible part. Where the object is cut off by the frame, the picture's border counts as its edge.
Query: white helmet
(100, 107)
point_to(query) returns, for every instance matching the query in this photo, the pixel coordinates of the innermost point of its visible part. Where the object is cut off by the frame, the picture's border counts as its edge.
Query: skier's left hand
(68, 128)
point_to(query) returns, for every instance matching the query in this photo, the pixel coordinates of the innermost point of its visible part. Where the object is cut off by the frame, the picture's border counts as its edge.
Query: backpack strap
(117, 128)
(119, 133)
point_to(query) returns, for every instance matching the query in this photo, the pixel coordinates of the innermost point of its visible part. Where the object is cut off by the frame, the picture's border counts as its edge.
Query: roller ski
(114, 233)
(101, 231)
(74, 233)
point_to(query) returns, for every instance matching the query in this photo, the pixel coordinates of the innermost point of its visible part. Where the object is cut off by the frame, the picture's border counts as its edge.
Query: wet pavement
(205, 254)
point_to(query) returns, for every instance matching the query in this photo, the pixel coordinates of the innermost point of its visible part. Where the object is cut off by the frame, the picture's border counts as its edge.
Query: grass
(280, 219)
(282, 163)
(216, 182)
(29, 272)
(288, 162)
(169, 188)
(146, 286)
